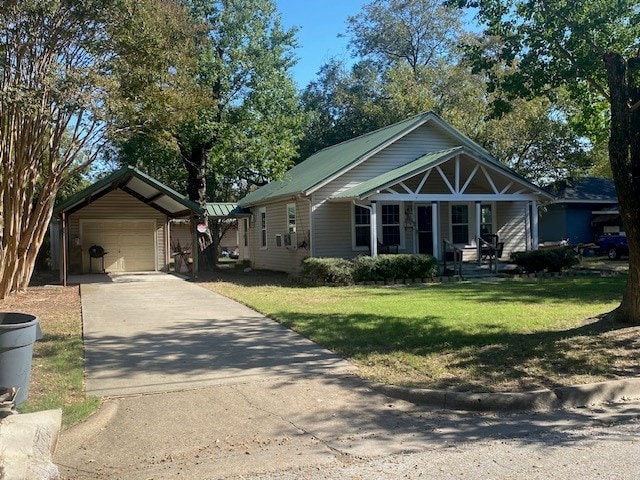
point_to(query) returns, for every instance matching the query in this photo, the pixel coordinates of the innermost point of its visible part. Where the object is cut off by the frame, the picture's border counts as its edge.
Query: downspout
(312, 243)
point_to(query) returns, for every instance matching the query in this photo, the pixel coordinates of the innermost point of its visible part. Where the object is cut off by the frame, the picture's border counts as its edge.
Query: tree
(592, 48)
(245, 122)
(64, 67)
(418, 33)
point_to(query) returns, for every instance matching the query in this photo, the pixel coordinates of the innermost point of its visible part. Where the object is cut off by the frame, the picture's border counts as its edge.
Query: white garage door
(130, 245)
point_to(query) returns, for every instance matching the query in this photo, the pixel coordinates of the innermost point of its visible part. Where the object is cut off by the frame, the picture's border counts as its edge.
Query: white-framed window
(362, 226)
(486, 219)
(390, 214)
(263, 227)
(460, 223)
(291, 218)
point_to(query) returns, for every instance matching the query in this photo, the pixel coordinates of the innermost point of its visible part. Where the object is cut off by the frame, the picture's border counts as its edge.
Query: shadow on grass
(565, 289)
(487, 357)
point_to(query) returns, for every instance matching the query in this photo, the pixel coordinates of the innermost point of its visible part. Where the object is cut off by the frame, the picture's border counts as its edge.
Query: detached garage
(127, 217)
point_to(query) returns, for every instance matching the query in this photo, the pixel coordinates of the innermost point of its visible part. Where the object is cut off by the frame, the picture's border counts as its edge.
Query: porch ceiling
(452, 173)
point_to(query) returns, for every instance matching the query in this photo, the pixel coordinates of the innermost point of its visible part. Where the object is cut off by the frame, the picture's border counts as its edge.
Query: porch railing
(490, 251)
(456, 254)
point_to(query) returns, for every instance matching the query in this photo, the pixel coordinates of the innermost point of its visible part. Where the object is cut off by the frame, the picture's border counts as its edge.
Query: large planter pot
(18, 333)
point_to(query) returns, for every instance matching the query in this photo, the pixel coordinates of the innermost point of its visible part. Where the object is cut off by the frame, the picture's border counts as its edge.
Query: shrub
(394, 267)
(552, 260)
(330, 270)
(365, 268)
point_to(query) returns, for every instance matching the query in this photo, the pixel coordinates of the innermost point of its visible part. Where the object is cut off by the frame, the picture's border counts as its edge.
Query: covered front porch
(445, 201)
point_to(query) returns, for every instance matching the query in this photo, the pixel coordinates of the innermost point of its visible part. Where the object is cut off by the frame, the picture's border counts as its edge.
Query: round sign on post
(202, 227)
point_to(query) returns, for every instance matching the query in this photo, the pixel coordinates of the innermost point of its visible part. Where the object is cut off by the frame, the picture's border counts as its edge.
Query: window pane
(485, 213)
(291, 218)
(362, 216)
(391, 214)
(391, 235)
(459, 214)
(363, 236)
(460, 233)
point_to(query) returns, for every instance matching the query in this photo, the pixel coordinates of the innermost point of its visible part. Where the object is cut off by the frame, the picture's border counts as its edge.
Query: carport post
(195, 249)
(63, 257)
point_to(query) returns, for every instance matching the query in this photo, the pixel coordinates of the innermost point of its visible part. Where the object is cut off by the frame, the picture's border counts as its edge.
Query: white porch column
(374, 229)
(435, 231)
(478, 222)
(534, 225)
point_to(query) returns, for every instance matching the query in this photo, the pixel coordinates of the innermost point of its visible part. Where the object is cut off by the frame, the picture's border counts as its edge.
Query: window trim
(399, 224)
(451, 224)
(491, 205)
(354, 226)
(288, 218)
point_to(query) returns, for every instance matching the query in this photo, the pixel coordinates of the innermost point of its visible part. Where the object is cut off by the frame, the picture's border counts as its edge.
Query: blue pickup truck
(613, 246)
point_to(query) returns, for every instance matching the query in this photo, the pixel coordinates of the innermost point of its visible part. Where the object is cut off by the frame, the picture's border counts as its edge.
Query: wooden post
(63, 256)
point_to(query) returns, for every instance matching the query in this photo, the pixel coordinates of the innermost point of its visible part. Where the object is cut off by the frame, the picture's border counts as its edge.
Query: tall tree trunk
(195, 161)
(624, 155)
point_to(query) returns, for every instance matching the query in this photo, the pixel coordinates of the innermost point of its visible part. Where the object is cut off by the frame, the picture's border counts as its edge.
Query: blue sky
(319, 23)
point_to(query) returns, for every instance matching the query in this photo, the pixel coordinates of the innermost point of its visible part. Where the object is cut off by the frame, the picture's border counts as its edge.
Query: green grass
(57, 374)
(57, 378)
(488, 336)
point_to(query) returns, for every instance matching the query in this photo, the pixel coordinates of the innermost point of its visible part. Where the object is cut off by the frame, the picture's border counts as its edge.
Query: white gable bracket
(490, 180)
(446, 180)
(471, 175)
(504, 190)
(424, 180)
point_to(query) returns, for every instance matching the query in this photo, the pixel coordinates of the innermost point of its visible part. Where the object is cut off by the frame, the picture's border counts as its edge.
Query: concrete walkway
(153, 332)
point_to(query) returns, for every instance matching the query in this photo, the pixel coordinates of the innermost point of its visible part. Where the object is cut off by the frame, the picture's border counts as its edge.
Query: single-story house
(418, 186)
(583, 209)
(129, 215)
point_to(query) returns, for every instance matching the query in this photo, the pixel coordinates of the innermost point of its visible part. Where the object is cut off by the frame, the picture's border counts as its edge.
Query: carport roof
(139, 185)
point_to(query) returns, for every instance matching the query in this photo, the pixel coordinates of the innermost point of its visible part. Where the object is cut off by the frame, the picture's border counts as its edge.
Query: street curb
(75, 436)
(613, 391)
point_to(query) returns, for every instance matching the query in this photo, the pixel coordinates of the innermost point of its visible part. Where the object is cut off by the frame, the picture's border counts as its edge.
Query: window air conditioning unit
(290, 240)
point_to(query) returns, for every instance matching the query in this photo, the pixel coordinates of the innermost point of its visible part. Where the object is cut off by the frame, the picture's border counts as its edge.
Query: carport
(127, 215)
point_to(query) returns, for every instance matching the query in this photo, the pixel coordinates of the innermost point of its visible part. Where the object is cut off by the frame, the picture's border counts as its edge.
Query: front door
(425, 230)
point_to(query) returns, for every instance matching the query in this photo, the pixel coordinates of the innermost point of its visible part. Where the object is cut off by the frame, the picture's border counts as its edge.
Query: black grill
(96, 251)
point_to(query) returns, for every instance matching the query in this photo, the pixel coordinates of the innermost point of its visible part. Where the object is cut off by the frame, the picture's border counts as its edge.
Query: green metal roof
(330, 161)
(222, 209)
(401, 173)
(141, 186)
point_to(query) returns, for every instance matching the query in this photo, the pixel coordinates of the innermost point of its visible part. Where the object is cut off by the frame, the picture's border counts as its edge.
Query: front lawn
(468, 336)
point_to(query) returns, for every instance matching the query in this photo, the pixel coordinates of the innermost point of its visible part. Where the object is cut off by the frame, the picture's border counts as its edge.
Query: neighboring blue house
(583, 210)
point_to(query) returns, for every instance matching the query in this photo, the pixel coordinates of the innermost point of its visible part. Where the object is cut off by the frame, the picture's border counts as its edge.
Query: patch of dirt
(49, 303)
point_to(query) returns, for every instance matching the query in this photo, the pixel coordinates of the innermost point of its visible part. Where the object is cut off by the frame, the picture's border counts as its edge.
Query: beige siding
(512, 226)
(117, 205)
(422, 140)
(333, 233)
(274, 257)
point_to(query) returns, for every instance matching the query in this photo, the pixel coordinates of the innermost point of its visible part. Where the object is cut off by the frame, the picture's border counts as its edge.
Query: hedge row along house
(417, 186)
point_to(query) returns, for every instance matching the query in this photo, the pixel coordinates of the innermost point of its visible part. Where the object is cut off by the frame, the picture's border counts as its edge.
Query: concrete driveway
(152, 332)
(279, 406)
